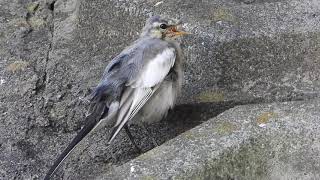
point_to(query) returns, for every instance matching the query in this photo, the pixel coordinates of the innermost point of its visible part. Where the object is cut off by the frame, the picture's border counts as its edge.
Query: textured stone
(263, 50)
(234, 145)
(25, 41)
(53, 52)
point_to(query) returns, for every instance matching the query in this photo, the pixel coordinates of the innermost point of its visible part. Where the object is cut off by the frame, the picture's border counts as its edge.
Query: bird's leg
(126, 128)
(150, 135)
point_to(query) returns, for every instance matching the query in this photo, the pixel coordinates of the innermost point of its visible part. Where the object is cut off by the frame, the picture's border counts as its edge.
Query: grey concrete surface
(262, 141)
(53, 52)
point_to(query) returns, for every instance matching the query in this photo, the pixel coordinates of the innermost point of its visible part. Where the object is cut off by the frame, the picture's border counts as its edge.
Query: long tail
(92, 121)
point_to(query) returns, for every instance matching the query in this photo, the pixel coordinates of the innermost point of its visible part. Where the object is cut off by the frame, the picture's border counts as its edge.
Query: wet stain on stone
(27, 148)
(16, 23)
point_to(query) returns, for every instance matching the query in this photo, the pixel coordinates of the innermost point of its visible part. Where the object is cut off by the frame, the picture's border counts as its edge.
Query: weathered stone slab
(239, 51)
(266, 141)
(53, 52)
(25, 42)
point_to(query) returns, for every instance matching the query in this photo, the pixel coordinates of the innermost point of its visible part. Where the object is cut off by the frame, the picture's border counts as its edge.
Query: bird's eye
(163, 26)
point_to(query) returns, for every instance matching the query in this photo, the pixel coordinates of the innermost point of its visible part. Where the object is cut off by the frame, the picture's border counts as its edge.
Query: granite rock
(53, 52)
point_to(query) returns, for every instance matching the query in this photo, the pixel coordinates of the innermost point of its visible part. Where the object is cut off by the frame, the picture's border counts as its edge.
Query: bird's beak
(173, 31)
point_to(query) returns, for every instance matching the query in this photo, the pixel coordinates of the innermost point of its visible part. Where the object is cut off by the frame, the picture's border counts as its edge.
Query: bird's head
(162, 28)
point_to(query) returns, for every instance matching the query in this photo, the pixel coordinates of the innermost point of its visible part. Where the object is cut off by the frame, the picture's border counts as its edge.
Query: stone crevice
(51, 30)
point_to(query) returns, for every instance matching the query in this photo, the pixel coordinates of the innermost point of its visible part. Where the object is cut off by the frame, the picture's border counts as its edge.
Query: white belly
(158, 105)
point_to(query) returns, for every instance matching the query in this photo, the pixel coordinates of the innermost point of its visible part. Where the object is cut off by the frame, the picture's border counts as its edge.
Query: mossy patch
(225, 128)
(265, 117)
(211, 96)
(189, 135)
(17, 66)
(222, 14)
(201, 134)
(148, 178)
(32, 7)
(145, 156)
(2, 35)
(36, 22)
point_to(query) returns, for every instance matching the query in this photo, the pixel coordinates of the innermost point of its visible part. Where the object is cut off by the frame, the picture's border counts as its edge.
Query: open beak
(173, 31)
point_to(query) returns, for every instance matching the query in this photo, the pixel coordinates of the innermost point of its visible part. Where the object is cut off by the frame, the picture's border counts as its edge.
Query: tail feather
(91, 121)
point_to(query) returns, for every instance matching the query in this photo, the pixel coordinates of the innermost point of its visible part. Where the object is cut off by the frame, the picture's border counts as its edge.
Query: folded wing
(142, 87)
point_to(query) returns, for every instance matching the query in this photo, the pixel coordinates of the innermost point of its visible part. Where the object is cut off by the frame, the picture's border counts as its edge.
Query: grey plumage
(139, 85)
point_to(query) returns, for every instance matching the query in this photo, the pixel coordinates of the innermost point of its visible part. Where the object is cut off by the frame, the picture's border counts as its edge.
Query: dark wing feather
(91, 121)
(103, 95)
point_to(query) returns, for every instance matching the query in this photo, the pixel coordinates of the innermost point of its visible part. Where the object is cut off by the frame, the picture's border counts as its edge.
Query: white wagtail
(140, 84)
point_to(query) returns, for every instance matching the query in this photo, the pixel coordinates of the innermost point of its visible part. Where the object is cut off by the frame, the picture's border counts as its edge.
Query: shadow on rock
(98, 157)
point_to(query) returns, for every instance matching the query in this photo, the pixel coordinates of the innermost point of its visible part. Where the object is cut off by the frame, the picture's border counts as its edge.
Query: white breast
(158, 105)
(156, 69)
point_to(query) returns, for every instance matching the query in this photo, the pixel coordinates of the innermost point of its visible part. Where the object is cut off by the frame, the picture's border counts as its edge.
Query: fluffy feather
(143, 87)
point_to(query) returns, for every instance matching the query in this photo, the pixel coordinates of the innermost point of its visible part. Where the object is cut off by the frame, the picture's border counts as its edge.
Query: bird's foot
(132, 139)
(154, 142)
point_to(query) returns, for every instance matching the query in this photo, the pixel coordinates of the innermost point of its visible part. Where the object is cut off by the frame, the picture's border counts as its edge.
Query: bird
(139, 85)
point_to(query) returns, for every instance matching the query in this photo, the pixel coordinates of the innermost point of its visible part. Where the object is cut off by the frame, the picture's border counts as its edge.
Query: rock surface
(262, 141)
(52, 52)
